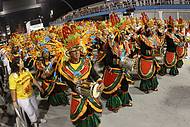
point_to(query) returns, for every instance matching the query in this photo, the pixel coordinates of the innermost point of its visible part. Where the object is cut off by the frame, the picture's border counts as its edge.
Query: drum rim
(94, 89)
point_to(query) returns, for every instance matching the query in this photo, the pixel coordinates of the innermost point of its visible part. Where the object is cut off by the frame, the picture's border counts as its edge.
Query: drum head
(94, 92)
(160, 60)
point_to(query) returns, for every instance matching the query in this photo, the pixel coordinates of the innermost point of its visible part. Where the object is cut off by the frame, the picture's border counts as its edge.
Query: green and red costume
(170, 58)
(147, 65)
(53, 88)
(55, 91)
(83, 108)
(116, 82)
(180, 50)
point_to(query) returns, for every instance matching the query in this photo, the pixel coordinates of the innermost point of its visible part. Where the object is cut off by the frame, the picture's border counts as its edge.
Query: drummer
(147, 65)
(181, 48)
(170, 58)
(74, 71)
(116, 77)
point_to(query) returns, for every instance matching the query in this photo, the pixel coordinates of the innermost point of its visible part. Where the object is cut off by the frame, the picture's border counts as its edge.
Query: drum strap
(119, 71)
(115, 70)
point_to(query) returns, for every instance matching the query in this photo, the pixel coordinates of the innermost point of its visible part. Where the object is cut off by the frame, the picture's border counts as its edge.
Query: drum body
(89, 89)
(158, 53)
(128, 64)
(160, 60)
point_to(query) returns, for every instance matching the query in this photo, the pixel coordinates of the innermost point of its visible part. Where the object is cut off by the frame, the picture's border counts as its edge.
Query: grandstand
(154, 8)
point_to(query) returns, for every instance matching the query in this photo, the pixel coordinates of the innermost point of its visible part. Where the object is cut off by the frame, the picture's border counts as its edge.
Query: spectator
(21, 90)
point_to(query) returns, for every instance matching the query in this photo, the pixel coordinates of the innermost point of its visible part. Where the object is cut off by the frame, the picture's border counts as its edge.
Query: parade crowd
(59, 61)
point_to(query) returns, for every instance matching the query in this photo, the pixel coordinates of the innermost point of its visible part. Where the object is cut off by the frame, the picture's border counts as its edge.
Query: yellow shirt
(22, 84)
(75, 66)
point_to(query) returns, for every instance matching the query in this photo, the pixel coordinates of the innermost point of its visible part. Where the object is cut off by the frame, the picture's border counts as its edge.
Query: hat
(71, 39)
(170, 23)
(180, 23)
(144, 18)
(151, 23)
(114, 18)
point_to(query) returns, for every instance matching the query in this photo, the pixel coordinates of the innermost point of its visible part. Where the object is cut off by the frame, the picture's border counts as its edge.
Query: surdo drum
(89, 89)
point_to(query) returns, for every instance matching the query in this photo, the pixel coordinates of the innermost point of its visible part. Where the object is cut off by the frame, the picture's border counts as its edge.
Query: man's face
(75, 54)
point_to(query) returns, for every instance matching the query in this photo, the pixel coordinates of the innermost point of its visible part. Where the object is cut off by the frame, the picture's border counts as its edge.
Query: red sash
(146, 68)
(170, 59)
(180, 52)
(112, 78)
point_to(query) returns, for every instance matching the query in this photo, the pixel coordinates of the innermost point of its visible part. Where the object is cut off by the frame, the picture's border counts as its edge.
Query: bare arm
(35, 82)
(13, 95)
(13, 88)
(14, 98)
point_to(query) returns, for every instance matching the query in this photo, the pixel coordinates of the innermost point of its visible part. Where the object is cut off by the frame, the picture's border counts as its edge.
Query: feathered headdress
(170, 22)
(114, 18)
(71, 38)
(151, 23)
(180, 23)
(144, 18)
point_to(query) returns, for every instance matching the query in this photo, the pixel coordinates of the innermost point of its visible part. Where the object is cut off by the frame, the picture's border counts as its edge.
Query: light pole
(68, 4)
